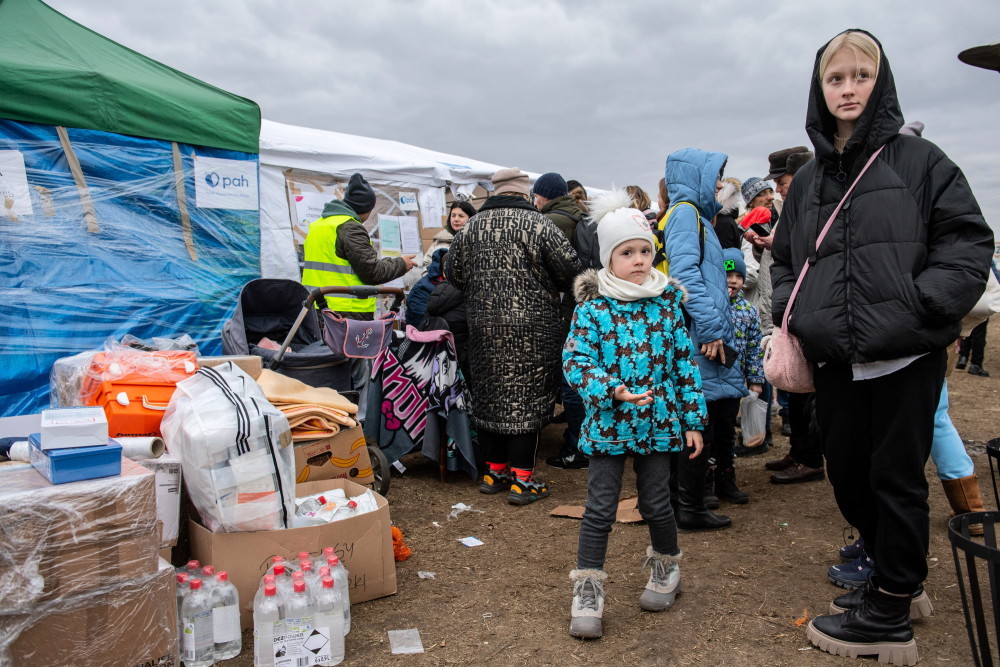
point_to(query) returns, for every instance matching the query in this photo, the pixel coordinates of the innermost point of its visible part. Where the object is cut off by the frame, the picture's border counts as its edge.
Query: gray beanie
(752, 187)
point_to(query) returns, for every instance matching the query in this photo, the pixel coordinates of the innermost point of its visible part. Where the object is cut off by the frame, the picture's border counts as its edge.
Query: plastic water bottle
(310, 506)
(339, 574)
(277, 560)
(300, 576)
(330, 620)
(300, 619)
(197, 646)
(208, 579)
(182, 590)
(193, 568)
(267, 624)
(226, 618)
(345, 511)
(310, 575)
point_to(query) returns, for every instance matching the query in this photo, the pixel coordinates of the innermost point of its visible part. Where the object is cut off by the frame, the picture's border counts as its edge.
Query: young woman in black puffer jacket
(905, 260)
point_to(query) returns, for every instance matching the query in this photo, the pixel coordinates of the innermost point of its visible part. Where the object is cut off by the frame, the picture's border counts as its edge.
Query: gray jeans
(604, 485)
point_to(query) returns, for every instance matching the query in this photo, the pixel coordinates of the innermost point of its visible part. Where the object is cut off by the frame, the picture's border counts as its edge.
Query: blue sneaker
(852, 551)
(854, 574)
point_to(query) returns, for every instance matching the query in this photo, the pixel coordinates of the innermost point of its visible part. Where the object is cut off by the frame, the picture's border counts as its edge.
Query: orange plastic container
(135, 387)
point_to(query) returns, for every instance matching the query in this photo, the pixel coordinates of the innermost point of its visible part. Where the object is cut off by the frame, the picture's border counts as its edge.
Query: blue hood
(691, 175)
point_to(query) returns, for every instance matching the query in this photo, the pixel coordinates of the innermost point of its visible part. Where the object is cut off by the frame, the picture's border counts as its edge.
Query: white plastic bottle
(339, 574)
(197, 647)
(267, 624)
(300, 619)
(182, 589)
(226, 618)
(330, 620)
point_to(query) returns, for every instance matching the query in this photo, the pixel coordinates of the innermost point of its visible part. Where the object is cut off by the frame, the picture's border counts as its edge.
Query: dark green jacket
(565, 213)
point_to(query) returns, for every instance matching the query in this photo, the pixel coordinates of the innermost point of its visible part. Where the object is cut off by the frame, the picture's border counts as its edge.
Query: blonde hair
(860, 43)
(640, 199)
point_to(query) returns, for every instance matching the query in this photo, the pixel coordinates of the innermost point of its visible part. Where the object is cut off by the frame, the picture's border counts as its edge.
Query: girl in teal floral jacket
(630, 358)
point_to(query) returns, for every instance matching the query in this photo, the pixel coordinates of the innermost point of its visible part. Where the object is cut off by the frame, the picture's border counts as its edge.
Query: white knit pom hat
(618, 222)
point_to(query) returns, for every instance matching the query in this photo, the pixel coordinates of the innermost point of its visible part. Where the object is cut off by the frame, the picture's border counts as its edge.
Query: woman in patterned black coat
(512, 262)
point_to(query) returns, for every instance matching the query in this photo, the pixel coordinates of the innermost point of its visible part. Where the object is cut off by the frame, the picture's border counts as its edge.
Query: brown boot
(963, 496)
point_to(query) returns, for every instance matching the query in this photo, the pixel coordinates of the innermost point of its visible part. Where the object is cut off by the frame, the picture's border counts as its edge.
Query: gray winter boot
(588, 603)
(664, 581)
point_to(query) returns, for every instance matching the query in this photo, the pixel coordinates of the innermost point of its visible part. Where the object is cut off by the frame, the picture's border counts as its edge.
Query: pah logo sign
(226, 184)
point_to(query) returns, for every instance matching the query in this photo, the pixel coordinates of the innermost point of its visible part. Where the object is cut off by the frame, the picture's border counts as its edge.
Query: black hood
(879, 122)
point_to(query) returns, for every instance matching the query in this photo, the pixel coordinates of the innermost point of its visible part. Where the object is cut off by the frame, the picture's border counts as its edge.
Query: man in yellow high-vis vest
(338, 251)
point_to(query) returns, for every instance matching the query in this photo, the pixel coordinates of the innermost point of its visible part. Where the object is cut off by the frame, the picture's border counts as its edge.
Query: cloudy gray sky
(595, 90)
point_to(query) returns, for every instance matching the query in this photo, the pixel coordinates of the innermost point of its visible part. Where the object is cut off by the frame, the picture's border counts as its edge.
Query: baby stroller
(309, 351)
(269, 308)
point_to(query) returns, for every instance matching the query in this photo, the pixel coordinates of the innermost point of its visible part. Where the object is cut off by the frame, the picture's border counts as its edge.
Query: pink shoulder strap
(819, 239)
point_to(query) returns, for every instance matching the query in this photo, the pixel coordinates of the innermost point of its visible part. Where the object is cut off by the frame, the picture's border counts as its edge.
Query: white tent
(332, 154)
(293, 157)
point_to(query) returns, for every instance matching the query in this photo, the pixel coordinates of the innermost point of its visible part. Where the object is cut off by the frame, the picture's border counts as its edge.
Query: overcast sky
(598, 91)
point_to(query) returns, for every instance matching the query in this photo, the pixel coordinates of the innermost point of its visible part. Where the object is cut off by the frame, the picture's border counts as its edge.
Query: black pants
(518, 450)
(877, 436)
(806, 445)
(974, 345)
(604, 485)
(720, 433)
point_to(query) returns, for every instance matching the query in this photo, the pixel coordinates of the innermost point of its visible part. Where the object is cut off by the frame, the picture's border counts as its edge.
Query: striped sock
(497, 468)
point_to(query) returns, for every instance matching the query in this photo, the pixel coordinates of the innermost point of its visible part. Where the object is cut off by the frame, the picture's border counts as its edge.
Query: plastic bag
(235, 451)
(753, 419)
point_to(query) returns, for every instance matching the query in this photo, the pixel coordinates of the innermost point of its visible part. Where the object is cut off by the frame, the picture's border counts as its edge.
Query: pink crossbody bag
(785, 366)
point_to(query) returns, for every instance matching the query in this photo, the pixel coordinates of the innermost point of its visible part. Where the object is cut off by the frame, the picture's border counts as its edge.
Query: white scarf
(613, 287)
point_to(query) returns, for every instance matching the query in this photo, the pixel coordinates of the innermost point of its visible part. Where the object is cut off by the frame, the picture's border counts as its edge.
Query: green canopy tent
(55, 71)
(128, 199)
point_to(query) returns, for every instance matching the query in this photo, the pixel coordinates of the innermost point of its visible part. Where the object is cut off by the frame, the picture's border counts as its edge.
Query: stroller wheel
(380, 469)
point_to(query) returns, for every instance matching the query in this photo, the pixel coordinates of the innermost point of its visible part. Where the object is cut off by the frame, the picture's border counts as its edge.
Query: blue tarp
(68, 282)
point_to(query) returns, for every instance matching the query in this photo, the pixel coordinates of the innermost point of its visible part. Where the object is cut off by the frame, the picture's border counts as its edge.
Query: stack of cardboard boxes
(81, 582)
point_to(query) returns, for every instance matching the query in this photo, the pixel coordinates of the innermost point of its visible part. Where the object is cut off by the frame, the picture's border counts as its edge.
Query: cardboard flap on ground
(628, 511)
(342, 456)
(363, 543)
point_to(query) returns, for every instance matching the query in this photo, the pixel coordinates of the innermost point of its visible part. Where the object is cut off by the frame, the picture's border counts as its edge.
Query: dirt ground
(507, 602)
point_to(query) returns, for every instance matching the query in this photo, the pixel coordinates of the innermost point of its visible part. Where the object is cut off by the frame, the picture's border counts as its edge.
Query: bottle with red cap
(339, 574)
(267, 624)
(226, 618)
(330, 622)
(208, 578)
(300, 619)
(310, 506)
(197, 645)
(193, 568)
(182, 590)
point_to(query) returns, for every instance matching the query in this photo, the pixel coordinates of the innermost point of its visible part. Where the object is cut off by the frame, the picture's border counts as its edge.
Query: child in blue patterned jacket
(629, 356)
(721, 435)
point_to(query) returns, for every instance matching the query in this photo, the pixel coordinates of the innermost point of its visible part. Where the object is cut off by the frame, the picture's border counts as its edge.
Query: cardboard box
(130, 624)
(250, 364)
(363, 543)
(73, 427)
(54, 537)
(167, 469)
(343, 456)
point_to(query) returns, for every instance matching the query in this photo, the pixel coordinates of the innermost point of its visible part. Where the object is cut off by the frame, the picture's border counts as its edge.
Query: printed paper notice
(388, 226)
(229, 184)
(15, 198)
(308, 209)
(432, 206)
(409, 231)
(408, 201)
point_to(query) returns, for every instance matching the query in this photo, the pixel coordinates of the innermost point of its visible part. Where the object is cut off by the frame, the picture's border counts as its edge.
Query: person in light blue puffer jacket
(694, 259)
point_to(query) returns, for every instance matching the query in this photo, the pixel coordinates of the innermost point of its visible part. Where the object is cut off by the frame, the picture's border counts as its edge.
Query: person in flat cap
(781, 161)
(512, 263)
